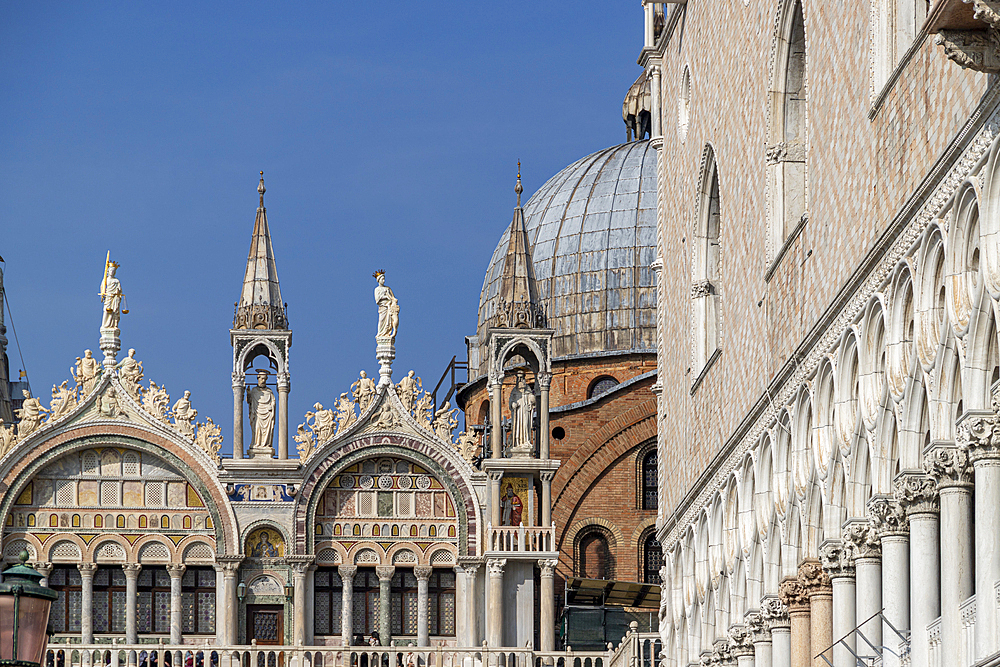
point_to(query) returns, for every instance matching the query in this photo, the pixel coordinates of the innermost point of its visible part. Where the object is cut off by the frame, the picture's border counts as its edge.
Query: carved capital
(44, 569)
(836, 559)
(494, 566)
(385, 572)
(176, 570)
(793, 594)
(916, 493)
(755, 625)
(547, 475)
(774, 612)
(721, 654)
(495, 475)
(979, 435)
(702, 288)
(949, 466)
(228, 565)
(87, 570)
(548, 567)
(299, 569)
(347, 573)
(131, 570)
(860, 537)
(740, 641)
(813, 578)
(544, 380)
(422, 572)
(887, 517)
(792, 151)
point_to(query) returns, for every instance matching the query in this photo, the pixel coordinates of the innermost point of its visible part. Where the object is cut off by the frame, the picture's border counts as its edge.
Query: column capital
(176, 570)
(228, 565)
(859, 536)
(495, 566)
(773, 612)
(495, 475)
(720, 652)
(949, 466)
(422, 572)
(238, 381)
(299, 568)
(544, 380)
(887, 517)
(835, 558)
(87, 569)
(978, 433)
(758, 629)
(814, 580)
(916, 492)
(547, 475)
(385, 572)
(548, 567)
(44, 569)
(347, 572)
(131, 570)
(794, 595)
(740, 641)
(469, 565)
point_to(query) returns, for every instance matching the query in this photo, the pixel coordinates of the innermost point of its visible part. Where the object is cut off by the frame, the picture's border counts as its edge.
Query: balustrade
(521, 539)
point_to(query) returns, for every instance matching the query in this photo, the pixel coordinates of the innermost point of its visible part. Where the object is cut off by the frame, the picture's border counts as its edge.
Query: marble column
(546, 477)
(867, 551)
(496, 423)
(820, 592)
(347, 573)
(889, 520)
(231, 601)
(176, 571)
(494, 601)
(979, 436)
(87, 571)
(471, 597)
(44, 569)
(760, 636)
(131, 601)
(547, 605)
(299, 602)
(220, 604)
(648, 9)
(283, 387)
(917, 494)
(423, 574)
(950, 468)
(741, 645)
(495, 477)
(837, 562)
(238, 389)
(385, 573)
(776, 620)
(654, 104)
(794, 595)
(544, 381)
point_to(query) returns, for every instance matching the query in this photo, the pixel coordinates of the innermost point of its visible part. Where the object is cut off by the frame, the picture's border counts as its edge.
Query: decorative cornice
(916, 493)
(949, 466)
(836, 559)
(887, 517)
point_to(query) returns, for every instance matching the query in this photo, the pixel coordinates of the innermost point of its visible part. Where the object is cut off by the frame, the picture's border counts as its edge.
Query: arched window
(786, 154)
(706, 288)
(594, 559)
(649, 488)
(601, 385)
(652, 559)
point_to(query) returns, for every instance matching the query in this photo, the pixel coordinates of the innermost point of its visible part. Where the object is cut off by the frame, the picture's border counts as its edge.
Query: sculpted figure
(306, 441)
(87, 370)
(130, 374)
(345, 413)
(423, 412)
(364, 393)
(31, 414)
(183, 414)
(109, 404)
(63, 400)
(112, 294)
(7, 438)
(522, 406)
(323, 422)
(388, 309)
(445, 422)
(262, 409)
(407, 390)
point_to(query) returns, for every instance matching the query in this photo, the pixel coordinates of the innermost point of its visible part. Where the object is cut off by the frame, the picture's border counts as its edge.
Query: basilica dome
(592, 232)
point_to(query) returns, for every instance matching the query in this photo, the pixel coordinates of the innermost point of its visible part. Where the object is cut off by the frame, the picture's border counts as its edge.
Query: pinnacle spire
(519, 305)
(260, 305)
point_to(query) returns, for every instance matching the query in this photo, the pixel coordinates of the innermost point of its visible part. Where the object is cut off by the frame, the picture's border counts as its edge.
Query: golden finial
(517, 188)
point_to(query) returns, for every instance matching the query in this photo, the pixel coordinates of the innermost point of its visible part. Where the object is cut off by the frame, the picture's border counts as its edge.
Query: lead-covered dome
(592, 230)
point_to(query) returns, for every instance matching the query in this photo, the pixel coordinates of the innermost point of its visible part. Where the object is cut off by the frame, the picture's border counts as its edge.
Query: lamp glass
(7, 627)
(32, 626)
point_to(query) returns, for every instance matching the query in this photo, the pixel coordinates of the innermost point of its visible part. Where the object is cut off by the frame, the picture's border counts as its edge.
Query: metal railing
(523, 539)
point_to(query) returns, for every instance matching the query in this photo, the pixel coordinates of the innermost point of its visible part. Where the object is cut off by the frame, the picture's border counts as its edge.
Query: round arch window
(601, 385)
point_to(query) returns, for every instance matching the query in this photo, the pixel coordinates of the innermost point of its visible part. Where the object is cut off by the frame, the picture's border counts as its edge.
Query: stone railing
(164, 655)
(935, 658)
(521, 539)
(968, 612)
(637, 649)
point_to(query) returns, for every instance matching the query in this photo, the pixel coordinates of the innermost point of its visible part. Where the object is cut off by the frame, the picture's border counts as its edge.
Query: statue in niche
(388, 309)
(112, 295)
(345, 413)
(407, 390)
(323, 422)
(130, 374)
(31, 415)
(86, 372)
(522, 407)
(262, 409)
(63, 400)
(109, 404)
(364, 393)
(445, 422)
(386, 419)
(184, 415)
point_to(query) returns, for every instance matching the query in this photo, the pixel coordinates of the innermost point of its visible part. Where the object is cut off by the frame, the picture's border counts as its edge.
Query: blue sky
(388, 133)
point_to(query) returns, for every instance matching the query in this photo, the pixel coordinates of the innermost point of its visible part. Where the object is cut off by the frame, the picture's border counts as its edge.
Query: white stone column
(230, 603)
(976, 437)
(471, 596)
(760, 636)
(385, 573)
(547, 605)
(949, 466)
(423, 574)
(917, 493)
(546, 477)
(889, 520)
(654, 93)
(87, 571)
(347, 573)
(176, 571)
(867, 551)
(496, 423)
(495, 477)
(494, 601)
(775, 615)
(649, 34)
(283, 387)
(299, 602)
(837, 562)
(131, 601)
(544, 381)
(238, 389)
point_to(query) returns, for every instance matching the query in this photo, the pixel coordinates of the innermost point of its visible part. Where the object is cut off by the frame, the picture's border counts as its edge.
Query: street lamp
(24, 616)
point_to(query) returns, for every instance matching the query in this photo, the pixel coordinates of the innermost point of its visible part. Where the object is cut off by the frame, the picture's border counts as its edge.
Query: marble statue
(7, 438)
(86, 372)
(407, 390)
(522, 407)
(156, 401)
(423, 412)
(111, 293)
(306, 440)
(388, 309)
(445, 422)
(209, 438)
(364, 393)
(345, 413)
(109, 404)
(183, 414)
(63, 400)
(130, 374)
(468, 445)
(31, 415)
(262, 412)
(386, 419)
(324, 422)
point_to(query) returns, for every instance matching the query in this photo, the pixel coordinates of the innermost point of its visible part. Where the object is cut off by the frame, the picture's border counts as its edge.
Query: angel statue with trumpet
(112, 295)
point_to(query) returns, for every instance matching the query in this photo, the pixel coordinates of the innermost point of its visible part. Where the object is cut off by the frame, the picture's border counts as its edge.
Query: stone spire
(260, 305)
(519, 306)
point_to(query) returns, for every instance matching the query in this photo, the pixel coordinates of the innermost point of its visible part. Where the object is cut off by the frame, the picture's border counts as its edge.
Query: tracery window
(649, 480)
(66, 611)
(440, 603)
(601, 385)
(152, 613)
(198, 601)
(652, 559)
(328, 589)
(707, 255)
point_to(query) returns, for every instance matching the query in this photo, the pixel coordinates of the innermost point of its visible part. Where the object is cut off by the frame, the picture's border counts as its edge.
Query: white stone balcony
(521, 542)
